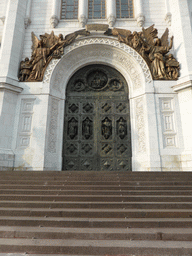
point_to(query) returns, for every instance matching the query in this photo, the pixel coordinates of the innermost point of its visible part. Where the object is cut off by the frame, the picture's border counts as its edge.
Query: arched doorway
(97, 130)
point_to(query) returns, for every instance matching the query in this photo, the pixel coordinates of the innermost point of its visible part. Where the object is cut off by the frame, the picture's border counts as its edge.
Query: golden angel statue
(158, 49)
(46, 48)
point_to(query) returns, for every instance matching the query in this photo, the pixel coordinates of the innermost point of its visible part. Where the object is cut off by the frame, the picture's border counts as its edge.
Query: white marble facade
(32, 114)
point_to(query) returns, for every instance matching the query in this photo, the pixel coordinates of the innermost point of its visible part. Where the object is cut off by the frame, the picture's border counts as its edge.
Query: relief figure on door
(106, 128)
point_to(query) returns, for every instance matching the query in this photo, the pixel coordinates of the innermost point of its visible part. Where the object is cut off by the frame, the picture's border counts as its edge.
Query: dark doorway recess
(97, 130)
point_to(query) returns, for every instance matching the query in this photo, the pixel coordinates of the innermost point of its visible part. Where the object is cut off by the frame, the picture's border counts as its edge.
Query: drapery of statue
(154, 50)
(43, 51)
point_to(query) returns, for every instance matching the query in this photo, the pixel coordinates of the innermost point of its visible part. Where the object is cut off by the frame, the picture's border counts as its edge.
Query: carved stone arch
(98, 50)
(134, 69)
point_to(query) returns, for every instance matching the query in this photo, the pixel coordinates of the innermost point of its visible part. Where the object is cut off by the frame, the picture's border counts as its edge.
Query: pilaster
(139, 13)
(28, 14)
(83, 12)
(111, 12)
(12, 42)
(168, 15)
(54, 20)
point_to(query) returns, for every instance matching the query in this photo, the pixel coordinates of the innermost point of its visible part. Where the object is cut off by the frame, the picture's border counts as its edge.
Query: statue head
(26, 59)
(60, 36)
(40, 44)
(158, 42)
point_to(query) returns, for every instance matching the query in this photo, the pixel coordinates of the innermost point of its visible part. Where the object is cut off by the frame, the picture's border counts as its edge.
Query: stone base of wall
(7, 159)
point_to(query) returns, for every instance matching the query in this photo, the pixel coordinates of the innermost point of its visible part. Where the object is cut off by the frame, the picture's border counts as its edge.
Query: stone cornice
(9, 87)
(182, 86)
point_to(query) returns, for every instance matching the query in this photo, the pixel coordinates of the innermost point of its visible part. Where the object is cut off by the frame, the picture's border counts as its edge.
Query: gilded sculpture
(46, 48)
(154, 50)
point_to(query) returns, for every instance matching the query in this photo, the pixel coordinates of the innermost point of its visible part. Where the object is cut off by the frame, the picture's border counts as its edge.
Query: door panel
(97, 134)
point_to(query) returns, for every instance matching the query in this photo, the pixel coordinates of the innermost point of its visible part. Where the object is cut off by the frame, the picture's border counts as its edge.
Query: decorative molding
(27, 19)
(27, 22)
(112, 42)
(111, 20)
(25, 123)
(82, 20)
(140, 124)
(140, 20)
(182, 86)
(168, 18)
(10, 87)
(54, 20)
(168, 126)
(53, 125)
(49, 70)
(123, 59)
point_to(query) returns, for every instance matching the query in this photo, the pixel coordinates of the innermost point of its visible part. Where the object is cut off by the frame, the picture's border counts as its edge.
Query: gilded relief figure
(153, 49)
(157, 55)
(43, 51)
(172, 67)
(39, 60)
(25, 69)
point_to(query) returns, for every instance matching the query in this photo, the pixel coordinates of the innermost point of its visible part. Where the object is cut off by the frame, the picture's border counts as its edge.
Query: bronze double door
(97, 134)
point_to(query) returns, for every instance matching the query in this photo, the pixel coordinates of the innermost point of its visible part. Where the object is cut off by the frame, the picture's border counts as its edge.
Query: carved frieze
(54, 114)
(140, 124)
(97, 80)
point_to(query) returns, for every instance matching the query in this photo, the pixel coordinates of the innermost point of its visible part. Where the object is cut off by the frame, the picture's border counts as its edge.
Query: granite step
(96, 222)
(90, 192)
(93, 187)
(98, 198)
(89, 213)
(98, 183)
(96, 205)
(87, 247)
(96, 213)
(164, 234)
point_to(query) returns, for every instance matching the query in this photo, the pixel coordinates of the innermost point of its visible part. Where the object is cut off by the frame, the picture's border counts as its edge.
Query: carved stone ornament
(97, 80)
(82, 20)
(111, 20)
(54, 21)
(140, 20)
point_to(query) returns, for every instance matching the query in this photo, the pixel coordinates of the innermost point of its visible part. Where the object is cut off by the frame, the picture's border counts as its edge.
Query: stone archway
(105, 51)
(98, 50)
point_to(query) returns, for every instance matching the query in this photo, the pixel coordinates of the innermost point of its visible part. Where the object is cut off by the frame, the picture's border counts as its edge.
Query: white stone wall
(41, 12)
(3, 5)
(190, 10)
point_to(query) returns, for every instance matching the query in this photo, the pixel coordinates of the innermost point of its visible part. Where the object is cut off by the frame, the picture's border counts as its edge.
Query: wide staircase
(96, 213)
